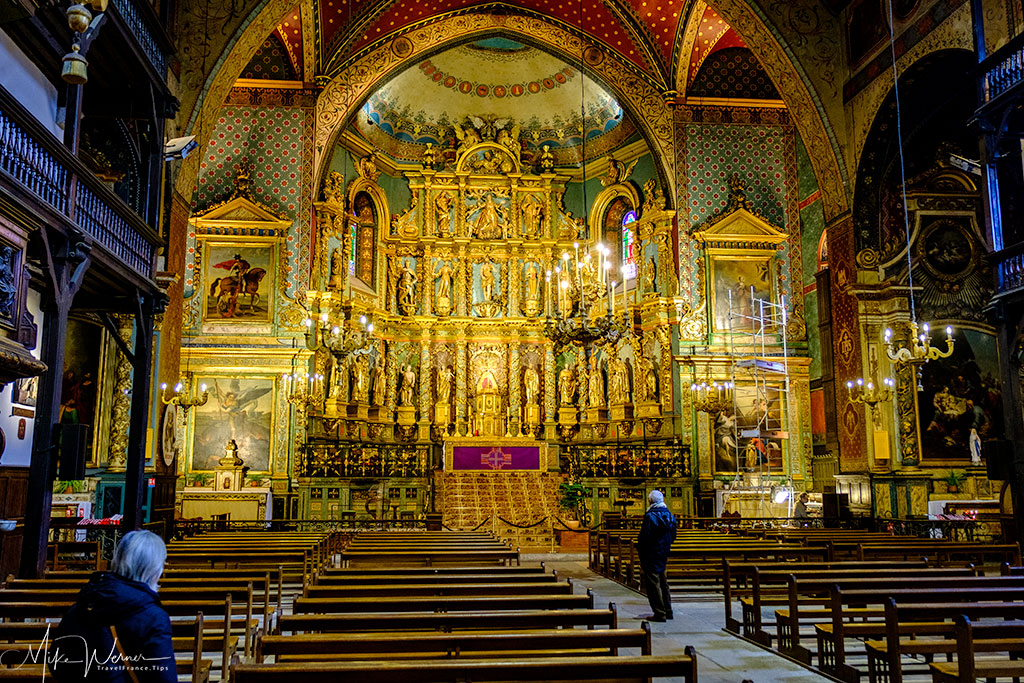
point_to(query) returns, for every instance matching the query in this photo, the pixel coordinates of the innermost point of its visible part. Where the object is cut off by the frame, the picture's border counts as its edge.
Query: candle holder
(920, 349)
(586, 314)
(341, 339)
(870, 395)
(182, 395)
(306, 390)
(712, 398)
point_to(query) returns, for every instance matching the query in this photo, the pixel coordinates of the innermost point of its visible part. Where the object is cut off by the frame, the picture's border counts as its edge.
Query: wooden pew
(428, 557)
(968, 668)
(431, 603)
(437, 589)
(942, 552)
(324, 647)
(621, 668)
(449, 621)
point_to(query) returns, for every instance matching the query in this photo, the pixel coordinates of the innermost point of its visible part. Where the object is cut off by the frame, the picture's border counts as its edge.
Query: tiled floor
(723, 658)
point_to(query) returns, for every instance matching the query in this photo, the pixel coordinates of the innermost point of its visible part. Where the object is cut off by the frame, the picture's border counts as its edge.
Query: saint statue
(651, 276)
(445, 379)
(596, 392)
(360, 378)
(644, 378)
(407, 390)
(487, 224)
(443, 276)
(532, 282)
(487, 281)
(618, 381)
(378, 383)
(566, 385)
(533, 213)
(407, 290)
(442, 212)
(531, 384)
(336, 279)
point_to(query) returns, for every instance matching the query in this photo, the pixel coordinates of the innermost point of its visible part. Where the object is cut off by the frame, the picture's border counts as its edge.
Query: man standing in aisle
(657, 533)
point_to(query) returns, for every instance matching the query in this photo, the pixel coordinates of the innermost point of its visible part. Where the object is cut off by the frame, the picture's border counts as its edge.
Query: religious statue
(595, 394)
(533, 214)
(487, 281)
(407, 290)
(618, 381)
(443, 277)
(367, 168)
(379, 389)
(442, 212)
(651, 276)
(360, 378)
(531, 384)
(487, 224)
(445, 380)
(646, 379)
(566, 385)
(407, 389)
(467, 135)
(532, 282)
(334, 189)
(336, 279)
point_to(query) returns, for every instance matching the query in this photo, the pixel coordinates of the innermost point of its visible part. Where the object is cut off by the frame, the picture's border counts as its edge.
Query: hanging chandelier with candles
(342, 338)
(583, 311)
(712, 398)
(182, 394)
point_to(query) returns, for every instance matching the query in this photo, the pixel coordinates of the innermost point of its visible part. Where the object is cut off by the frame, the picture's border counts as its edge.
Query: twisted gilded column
(461, 397)
(426, 377)
(514, 395)
(120, 414)
(550, 389)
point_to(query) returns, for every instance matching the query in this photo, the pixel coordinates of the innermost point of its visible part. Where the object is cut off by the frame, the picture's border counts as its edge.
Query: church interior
(279, 283)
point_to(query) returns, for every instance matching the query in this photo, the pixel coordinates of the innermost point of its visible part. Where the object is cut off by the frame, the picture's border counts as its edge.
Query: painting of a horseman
(236, 288)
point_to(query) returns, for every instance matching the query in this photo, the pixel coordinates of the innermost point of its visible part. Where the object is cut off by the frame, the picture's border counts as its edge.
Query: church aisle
(722, 658)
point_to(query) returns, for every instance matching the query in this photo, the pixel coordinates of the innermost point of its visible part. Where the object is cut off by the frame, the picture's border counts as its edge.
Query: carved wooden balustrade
(43, 169)
(627, 461)
(332, 460)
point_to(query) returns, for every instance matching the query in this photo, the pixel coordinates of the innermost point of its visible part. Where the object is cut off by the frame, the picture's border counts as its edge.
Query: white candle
(625, 302)
(611, 295)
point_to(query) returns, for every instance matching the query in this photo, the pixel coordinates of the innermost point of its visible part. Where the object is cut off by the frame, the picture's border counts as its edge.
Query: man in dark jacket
(657, 532)
(117, 631)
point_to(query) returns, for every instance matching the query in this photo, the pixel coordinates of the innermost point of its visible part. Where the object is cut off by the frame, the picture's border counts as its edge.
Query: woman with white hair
(117, 631)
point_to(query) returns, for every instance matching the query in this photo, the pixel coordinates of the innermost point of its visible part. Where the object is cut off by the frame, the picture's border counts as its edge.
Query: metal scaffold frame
(756, 334)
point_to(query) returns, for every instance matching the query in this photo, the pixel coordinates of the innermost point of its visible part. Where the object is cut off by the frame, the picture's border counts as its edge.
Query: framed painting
(241, 409)
(754, 407)
(737, 282)
(25, 391)
(960, 395)
(80, 386)
(239, 282)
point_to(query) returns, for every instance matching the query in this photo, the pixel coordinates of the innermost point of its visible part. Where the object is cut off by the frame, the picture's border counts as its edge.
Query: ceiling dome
(496, 80)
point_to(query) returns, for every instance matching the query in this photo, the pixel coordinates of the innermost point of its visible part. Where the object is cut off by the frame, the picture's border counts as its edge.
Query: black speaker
(73, 442)
(998, 455)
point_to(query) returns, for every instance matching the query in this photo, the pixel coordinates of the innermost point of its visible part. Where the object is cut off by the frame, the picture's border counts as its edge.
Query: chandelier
(919, 350)
(340, 339)
(866, 393)
(585, 314)
(182, 394)
(304, 390)
(712, 398)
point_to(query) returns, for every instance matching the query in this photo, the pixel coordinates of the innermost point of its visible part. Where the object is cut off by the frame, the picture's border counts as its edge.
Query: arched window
(363, 236)
(629, 249)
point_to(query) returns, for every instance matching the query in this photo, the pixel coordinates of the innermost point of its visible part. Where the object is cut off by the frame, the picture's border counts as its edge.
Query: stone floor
(722, 658)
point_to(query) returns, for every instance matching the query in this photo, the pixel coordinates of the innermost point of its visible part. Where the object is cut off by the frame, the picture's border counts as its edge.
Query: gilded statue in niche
(646, 379)
(531, 301)
(334, 189)
(443, 276)
(361, 378)
(490, 219)
(379, 387)
(532, 215)
(337, 269)
(444, 379)
(407, 290)
(595, 392)
(618, 381)
(531, 385)
(651, 276)
(442, 213)
(407, 386)
(566, 385)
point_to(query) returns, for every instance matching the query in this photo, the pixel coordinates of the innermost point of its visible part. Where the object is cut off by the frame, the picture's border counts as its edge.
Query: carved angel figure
(468, 136)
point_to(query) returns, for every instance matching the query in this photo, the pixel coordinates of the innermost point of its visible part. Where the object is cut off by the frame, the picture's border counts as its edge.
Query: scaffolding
(759, 352)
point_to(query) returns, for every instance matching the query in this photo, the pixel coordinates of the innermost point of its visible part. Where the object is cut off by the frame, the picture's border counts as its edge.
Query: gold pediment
(741, 229)
(241, 215)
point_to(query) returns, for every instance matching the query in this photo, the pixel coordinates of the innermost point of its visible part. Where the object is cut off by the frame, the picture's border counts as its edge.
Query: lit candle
(565, 299)
(547, 294)
(625, 302)
(611, 297)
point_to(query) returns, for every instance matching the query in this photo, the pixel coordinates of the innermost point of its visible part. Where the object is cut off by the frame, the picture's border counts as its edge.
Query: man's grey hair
(655, 497)
(140, 557)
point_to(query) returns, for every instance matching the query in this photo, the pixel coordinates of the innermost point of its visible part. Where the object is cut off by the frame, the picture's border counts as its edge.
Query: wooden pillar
(66, 263)
(142, 366)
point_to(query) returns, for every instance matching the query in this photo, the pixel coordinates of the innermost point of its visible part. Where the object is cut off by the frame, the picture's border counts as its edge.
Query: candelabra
(304, 390)
(585, 313)
(920, 349)
(712, 398)
(870, 395)
(182, 394)
(341, 340)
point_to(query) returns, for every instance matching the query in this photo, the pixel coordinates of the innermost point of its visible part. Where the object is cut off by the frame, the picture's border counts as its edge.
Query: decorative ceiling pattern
(598, 21)
(289, 32)
(713, 35)
(271, 62)
(733, 72)
(662, 21)
(528, 91)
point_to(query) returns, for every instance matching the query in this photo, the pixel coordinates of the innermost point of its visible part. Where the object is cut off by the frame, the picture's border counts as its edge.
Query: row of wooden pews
(884, 613)
(449, 606)
(220, 590)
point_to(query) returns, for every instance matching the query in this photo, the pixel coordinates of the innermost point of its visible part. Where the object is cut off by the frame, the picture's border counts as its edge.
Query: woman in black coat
(117, 631)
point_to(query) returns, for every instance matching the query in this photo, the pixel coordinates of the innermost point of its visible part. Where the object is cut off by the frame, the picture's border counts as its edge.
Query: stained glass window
(629, 244)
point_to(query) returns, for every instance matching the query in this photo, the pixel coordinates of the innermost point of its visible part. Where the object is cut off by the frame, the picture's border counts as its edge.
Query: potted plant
(198, 479)
(68, 486)
(954, 480)
(570, 499)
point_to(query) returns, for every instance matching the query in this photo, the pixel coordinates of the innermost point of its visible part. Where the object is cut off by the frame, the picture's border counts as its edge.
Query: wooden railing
(143, 24)
(1009, 268)
(1002, 70)
(386, 460)
(31, 156)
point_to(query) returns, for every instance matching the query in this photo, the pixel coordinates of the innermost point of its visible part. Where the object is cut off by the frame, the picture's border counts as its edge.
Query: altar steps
(502, 503)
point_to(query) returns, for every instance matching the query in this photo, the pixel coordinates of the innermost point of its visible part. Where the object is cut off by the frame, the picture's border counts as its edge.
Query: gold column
(514, 395)
(427, 281)
(120, 414)
(550, 400)
(426, 376)
(460, 379)
(514, 278)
